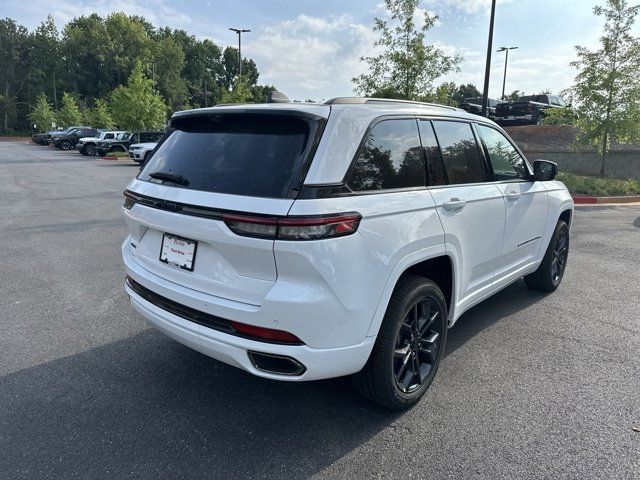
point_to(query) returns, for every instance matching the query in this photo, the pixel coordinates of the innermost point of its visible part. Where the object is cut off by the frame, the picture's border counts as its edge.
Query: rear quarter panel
(398, 229)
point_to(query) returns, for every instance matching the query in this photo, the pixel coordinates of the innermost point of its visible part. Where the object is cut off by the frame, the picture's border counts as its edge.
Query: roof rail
(361, 100)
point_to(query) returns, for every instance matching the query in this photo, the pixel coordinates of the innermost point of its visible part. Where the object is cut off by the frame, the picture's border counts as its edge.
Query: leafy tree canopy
(138, 106)
(69, 114)
(92, 55)
(408, 65)
(99, 116)
(43, 115)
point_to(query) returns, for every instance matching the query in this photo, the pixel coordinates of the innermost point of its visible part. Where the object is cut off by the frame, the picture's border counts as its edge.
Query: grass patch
(117, 153)
(599, 187)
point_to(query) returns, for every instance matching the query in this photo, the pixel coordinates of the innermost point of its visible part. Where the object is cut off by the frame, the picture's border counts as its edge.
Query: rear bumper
(515, 119)
(319, 363)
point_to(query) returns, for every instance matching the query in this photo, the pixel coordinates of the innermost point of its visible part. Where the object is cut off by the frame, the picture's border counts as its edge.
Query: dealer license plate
(178, 251)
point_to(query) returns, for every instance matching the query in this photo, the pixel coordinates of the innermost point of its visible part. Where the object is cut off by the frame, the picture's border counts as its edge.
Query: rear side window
(460, 152)
(250, 154)
(390, 158)
(507, 163)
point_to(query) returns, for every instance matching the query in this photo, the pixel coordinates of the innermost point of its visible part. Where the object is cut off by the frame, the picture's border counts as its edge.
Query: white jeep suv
(307, 241)
(140, 152)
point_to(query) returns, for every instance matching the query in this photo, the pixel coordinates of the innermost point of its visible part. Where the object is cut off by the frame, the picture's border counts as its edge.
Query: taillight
(268, 334)
(294, 227)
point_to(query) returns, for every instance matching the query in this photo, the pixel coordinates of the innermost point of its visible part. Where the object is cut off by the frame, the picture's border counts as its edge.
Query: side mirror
(544, 170)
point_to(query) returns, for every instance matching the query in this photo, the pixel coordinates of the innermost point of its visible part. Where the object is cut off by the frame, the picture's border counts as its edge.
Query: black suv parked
(54, 134)
(43, 138)
(68, 140)
(528, 110)
(474, 105)
(122, 145)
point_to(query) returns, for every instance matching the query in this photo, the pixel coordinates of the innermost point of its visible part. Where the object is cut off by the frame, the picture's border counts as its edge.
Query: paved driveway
(532, 386)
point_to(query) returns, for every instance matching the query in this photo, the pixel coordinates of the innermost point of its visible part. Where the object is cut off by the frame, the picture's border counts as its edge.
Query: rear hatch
(214, 164)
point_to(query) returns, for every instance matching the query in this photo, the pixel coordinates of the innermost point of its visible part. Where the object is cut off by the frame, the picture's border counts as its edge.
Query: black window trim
(426, 161)
(512, 143)
(341, 189)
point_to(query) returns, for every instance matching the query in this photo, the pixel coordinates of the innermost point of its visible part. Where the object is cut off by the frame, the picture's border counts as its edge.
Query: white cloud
(159, 12)
(466, 6)
(310, 57)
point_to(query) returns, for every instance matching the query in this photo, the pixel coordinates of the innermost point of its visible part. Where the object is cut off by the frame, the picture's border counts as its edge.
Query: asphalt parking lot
(532, 385)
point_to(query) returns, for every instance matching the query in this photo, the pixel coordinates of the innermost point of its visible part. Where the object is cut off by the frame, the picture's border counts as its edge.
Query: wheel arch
(438, 266)
(567, 216)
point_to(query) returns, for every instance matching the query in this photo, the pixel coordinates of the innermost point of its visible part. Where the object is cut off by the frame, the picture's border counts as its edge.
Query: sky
(310, 49)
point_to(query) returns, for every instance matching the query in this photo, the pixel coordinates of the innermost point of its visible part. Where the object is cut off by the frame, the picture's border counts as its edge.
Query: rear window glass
(390, 158)
(534, 98)
(257, 155)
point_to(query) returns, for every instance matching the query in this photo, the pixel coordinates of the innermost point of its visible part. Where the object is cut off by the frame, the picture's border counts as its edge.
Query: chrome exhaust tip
(277, 364)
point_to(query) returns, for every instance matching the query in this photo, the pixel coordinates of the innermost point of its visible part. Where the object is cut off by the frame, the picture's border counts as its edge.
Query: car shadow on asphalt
(148, 407)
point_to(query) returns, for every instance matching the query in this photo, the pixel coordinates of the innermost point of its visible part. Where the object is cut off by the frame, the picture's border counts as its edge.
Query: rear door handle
(511, 196)
(454, 204)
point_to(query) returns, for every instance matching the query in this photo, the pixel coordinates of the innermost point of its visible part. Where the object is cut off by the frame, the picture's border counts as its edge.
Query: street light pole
(487, 71)
(506, 61)
(239, 31)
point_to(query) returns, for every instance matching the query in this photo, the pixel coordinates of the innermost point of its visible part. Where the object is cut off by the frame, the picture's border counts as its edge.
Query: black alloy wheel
(90, 149)
(65, 145)
(417, 345)
(560, 254)
(409, 345)
(551, 270)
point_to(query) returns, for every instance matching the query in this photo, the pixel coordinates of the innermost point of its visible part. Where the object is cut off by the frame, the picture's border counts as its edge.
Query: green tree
(87, 52)
(445, 94)
(241, 93)
(129, 43)
(99, 116)
(69, 113)
(13, 68)
(559, 116)
(44, 59)
(259, 93)
(513, 96)
(230, 69)
(466, 91)
(138, 106)
(408, 66)
(607, 88)
(43, 115)
(167, 64)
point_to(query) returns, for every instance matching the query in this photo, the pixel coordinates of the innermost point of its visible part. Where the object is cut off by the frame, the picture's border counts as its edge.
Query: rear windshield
(534, 98)
(260, 155)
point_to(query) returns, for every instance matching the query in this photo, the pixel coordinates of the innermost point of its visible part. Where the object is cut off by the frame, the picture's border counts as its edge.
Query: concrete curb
(591, 200)
(109, 158)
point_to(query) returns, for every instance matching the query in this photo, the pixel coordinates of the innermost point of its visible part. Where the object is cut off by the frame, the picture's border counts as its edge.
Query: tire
(83, 151)
(91, 150)
(65, 145)
(406, 354)
(550, 272)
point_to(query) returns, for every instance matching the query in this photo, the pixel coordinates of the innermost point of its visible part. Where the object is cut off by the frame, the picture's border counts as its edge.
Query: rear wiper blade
(170, 177)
